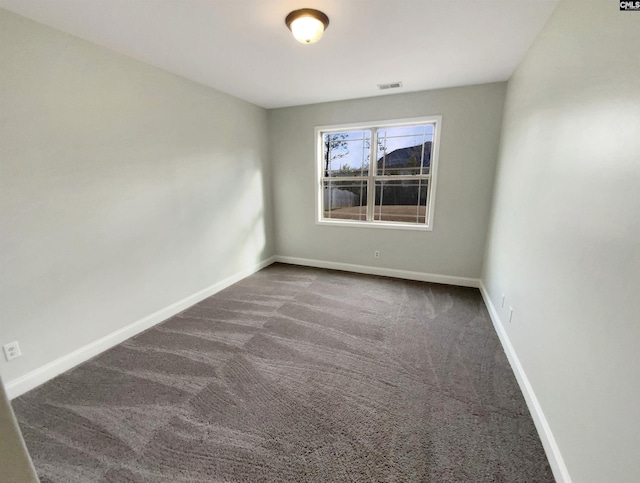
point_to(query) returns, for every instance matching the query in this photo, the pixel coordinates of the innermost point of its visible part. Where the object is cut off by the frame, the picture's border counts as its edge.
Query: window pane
(345, 200)
(401, 201)
(346, 153)
(405, 150)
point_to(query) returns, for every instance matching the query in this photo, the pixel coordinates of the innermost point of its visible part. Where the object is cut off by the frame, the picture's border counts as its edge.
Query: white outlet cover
(12, 350)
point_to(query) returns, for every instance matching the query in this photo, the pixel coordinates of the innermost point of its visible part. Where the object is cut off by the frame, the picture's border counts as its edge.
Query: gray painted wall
(123, 189)
(468, 152)
(564, 243)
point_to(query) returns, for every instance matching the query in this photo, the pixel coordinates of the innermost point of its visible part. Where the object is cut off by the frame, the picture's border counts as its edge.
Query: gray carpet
(295, 374)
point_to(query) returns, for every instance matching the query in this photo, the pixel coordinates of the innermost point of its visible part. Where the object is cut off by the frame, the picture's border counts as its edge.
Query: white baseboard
(385, 272)
(19, 386)
(551, 448)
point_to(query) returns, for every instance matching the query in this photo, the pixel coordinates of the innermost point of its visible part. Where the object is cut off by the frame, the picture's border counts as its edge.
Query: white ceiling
(243, 48)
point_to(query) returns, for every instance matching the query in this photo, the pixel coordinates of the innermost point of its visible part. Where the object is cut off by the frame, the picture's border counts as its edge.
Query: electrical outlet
(12, 350)
(504, 297)
(510, 314)
(376, 254)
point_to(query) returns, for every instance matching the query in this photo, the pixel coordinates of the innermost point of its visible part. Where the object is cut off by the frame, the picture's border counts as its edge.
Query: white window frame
(372, 176)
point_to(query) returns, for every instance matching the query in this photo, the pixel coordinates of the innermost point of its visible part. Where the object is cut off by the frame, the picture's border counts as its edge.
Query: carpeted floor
(295, 374)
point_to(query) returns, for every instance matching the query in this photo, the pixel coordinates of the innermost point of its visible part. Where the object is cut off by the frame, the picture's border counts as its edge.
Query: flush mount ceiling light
(307, 24)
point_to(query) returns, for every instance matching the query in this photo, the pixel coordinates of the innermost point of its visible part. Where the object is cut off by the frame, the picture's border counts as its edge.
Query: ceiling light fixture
(307, 24)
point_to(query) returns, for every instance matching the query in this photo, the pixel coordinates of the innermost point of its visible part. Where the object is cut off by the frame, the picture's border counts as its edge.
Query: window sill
(376, 224)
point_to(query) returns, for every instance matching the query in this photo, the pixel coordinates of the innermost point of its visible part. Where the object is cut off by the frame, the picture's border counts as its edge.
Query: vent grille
(390, 85)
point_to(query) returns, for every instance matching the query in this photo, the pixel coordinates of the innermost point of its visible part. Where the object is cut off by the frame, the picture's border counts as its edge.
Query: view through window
(378, 174)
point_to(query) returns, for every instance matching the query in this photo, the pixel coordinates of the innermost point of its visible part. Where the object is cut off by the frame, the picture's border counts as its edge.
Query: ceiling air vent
(390, 85)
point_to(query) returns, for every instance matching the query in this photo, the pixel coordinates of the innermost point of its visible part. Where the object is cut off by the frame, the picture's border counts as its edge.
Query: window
(381, 174)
